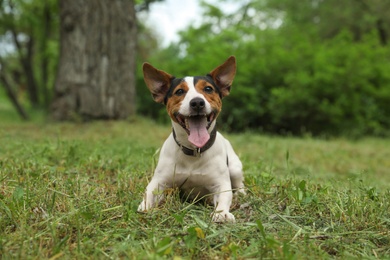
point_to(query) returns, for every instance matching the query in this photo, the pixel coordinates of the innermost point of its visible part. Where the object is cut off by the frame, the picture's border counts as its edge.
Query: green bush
(341, 87)
(291, 84)
(291, 79)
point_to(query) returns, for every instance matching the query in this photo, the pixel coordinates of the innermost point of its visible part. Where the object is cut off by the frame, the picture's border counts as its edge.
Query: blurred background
(314, 67)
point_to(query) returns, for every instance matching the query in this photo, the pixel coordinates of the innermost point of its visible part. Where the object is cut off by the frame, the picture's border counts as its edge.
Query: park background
(318, 68)
(309, 115)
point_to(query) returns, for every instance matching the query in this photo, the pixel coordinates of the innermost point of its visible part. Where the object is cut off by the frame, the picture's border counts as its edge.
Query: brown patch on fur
(157, 81)
(213, 98)
(174, 102)
(223, 75)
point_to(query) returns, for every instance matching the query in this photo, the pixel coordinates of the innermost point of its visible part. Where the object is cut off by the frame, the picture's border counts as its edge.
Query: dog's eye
(179, 92)
(208, 89)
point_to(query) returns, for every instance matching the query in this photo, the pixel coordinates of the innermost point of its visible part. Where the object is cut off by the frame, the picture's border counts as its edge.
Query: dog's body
(195, 157)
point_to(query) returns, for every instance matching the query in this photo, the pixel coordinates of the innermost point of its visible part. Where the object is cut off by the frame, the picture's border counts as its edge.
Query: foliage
(300, 70)
(341, 87)
(29, 40)
(72, 190)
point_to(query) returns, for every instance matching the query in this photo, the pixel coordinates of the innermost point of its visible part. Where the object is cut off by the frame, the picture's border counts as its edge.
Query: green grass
(70, 191)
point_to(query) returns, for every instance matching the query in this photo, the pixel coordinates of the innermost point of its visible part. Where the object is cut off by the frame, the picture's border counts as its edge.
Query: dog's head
(192, 102)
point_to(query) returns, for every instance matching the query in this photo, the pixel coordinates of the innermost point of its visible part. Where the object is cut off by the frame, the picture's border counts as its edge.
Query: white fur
(191, 94)
(202, 176)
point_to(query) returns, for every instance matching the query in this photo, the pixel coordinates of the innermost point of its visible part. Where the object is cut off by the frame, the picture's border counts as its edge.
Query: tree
(27, 32)
(333, 16)
(11, 94)
(96, 71)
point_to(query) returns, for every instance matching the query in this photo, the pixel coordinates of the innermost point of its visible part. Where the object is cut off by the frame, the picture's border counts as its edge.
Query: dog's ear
(223, 75)
(157, 81)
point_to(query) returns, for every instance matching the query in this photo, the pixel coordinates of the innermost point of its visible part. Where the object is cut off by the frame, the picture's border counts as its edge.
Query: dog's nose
(197, 104)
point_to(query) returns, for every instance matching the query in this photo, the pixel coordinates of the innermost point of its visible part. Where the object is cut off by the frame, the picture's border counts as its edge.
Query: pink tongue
(198, 131)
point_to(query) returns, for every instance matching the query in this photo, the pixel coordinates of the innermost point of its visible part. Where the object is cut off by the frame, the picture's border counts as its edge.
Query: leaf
(302, 186)
(201, 223)
(199, 233)
(261, 228)
(18, 194)
(164, 247)
(191, 238)
(179, 217)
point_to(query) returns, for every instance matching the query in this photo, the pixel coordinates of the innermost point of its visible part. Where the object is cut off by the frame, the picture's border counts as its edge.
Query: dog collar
(197, 152)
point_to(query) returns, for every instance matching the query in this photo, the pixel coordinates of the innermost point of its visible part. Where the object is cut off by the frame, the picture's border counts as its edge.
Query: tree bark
(12, 97)
(46, 31)
(26, 60)
(96, 73)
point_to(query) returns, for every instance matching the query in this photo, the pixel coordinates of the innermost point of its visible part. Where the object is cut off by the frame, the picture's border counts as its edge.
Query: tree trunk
(46, 31)
(96, 73)
(26, 60)
(12, 97)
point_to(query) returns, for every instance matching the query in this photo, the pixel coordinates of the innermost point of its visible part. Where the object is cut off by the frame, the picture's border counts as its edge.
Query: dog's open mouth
(196, 127)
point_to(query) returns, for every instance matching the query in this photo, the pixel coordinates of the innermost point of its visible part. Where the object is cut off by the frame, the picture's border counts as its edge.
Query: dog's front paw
(143, 207)
(240, 192)
(223, 216)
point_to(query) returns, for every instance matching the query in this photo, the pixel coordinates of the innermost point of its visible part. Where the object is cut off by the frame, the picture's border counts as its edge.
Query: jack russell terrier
(195, 158)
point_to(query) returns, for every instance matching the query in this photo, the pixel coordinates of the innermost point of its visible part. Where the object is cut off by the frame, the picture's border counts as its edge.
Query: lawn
(70, 191)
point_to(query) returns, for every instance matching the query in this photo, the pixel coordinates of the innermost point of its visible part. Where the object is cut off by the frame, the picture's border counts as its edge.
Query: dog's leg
(235, 170)
(222, 202)
(153, 195)
(236, 178)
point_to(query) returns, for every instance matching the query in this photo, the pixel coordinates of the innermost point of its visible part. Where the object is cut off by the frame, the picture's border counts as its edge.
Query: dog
(195, 158)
